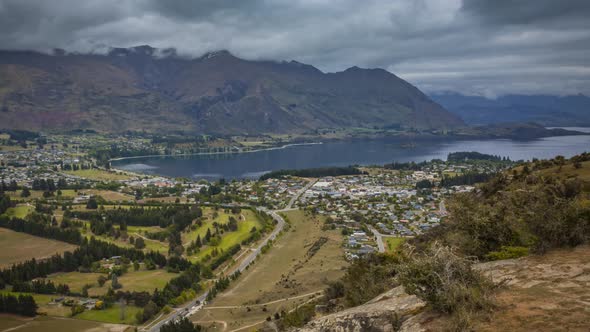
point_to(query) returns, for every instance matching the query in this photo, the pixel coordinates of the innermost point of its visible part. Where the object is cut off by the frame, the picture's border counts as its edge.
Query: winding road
(195, 305)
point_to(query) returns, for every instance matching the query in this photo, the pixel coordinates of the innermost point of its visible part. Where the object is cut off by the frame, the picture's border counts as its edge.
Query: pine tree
(208, 235)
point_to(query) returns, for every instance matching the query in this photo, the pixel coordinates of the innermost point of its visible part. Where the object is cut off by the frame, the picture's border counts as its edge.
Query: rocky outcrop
(546, 293)
(391, 311)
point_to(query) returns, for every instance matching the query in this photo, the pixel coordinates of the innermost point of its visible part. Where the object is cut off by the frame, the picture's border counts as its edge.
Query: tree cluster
(313, 172)
(181, 325)
(19, 305)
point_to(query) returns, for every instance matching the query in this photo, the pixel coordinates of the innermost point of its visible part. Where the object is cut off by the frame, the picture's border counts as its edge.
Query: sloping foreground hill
(142, 88)
(541, 293)
(530, 226)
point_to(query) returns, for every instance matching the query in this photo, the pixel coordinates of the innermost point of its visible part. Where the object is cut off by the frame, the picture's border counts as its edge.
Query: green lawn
(154, 245)
(228, 239)
(97, 174)
(150, 244)
(138, 281)
(40, 299)
(392, 243)
(111, 315)
(19, 211)
(145, 280)
(222, 218)
(76, 280)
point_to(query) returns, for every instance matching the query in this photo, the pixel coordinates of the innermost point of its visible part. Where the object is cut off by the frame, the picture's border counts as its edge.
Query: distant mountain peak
(216, 54)
(142, 50)
(137, 89)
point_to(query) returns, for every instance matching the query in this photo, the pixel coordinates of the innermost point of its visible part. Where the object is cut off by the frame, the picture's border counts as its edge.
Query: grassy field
(155, 245)
(111, 315)
(47, 324)
(111, 196)
(145, 280)
(284, 277)
(75, 280)
(20, 211)
(569, 171)
(246, 220)
(138, 281)
(18, 247)
(392, 243)
(136, 232)
(99, 175)
(43, 301)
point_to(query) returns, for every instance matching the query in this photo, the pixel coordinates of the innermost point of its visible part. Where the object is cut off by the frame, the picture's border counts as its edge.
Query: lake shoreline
(215, 153)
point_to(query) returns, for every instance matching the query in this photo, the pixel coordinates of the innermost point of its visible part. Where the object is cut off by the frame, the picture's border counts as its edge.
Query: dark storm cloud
(563, 12)
(477, 47)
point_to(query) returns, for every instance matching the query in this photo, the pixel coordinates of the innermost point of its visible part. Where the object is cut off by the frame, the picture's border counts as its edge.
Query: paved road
(298, 194)
(195, 305)
(378, 238)
(442, 208)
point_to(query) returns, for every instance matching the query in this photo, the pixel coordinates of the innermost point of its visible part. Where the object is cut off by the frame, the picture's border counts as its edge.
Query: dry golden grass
(19, 247)
(281, 279)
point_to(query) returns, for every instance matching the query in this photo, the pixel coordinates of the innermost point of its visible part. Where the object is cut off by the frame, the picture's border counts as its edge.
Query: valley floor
(293, 272)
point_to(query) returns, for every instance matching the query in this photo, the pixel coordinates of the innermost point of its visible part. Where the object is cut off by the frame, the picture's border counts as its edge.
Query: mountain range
(546, 110)
(155, 90)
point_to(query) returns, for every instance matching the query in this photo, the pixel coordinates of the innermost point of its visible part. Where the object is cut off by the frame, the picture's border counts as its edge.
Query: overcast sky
(485, 47)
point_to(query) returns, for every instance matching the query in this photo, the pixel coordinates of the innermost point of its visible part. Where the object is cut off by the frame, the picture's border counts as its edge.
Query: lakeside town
(99, 245)
(380, 203)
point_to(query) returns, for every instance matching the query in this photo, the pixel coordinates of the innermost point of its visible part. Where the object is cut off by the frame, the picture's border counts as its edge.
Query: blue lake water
(344, 153)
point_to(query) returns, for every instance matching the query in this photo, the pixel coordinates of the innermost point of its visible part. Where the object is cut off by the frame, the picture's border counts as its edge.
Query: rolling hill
(154, 90)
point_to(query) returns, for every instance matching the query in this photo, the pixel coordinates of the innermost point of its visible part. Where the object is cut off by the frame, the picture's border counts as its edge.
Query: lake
(344, 153)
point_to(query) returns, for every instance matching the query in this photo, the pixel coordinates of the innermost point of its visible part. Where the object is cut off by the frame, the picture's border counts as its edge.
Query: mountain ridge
(143, 88)
(548, 110)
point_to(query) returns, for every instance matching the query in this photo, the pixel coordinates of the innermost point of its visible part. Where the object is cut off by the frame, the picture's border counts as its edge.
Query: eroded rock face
(551, 291)
(391, 311)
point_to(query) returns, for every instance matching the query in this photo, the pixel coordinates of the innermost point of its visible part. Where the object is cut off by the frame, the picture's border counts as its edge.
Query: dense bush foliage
(4, 203)
(312, 172)
(461, 156)
(89, 251)
(20, 305)
(469, 178)
(40, 225)
(181, 325)
(445, 280)
(534, 212)
(180, 216)
(365, 279)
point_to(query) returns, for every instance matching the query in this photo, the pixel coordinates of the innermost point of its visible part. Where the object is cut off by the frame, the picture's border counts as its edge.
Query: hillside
(143, 88)
(545, 293)
(512, 255)
(544, 109)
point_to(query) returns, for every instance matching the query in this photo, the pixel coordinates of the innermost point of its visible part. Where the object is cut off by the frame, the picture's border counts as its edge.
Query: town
(161, 226)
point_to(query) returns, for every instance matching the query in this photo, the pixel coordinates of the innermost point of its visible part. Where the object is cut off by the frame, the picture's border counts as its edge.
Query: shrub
(447, 282)
(508, 252)
(369, 277)
(299, 316)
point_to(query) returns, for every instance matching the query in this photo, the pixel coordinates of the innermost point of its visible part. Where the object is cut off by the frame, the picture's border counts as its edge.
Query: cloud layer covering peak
(483, 47)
